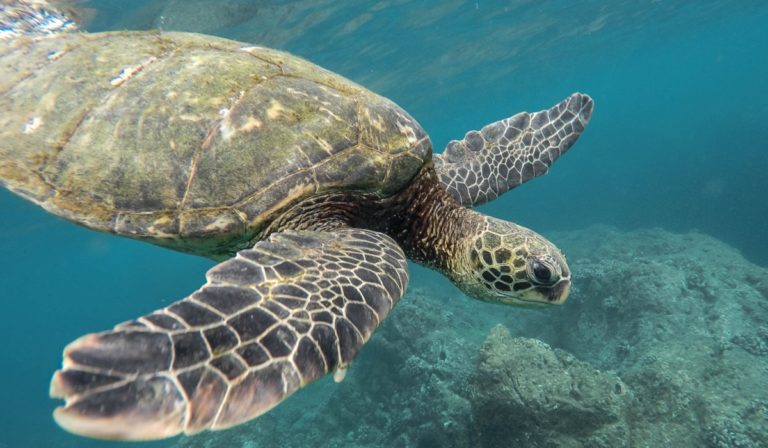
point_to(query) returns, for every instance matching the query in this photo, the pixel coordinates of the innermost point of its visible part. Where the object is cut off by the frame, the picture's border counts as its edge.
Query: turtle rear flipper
(502, 155)
(268, 321)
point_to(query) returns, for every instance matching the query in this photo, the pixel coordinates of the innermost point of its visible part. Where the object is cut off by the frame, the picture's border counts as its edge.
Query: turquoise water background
(678, 140)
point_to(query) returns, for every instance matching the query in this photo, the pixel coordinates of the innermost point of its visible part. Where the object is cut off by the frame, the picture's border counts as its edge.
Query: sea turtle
(310, 190)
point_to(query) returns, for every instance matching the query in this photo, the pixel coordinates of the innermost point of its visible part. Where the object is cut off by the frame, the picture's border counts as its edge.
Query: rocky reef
(527, 394)
(664, 342)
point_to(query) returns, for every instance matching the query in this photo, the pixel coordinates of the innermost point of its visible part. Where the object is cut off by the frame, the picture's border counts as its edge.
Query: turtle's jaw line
(519, 301)
(553, 295)
(522, 301)
(558, 293)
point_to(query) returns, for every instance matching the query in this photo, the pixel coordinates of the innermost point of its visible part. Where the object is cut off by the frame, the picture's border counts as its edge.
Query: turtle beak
(555, 294)
(558, 293)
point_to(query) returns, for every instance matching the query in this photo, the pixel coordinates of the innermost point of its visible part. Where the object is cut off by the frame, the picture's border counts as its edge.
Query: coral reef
(663, 343)
(526, 394)
(681, 319)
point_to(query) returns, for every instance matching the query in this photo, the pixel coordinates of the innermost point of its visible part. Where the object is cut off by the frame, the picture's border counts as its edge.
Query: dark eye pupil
(542, 273)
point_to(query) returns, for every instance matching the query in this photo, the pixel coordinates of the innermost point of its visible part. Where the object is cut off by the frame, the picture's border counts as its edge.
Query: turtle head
(507, 263)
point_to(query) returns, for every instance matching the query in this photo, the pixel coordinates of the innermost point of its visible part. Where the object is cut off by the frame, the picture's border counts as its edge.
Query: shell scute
(190, 141)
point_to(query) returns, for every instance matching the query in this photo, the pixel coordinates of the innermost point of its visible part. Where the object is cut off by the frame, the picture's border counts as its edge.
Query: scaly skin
(487, 258)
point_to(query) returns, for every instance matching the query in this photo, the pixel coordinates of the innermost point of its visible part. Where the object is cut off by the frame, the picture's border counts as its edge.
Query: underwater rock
(408, 389)
(527, 394)
(681, 318)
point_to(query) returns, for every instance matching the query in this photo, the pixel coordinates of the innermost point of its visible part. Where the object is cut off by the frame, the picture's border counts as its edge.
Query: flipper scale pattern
(502, 155)
(268, 321)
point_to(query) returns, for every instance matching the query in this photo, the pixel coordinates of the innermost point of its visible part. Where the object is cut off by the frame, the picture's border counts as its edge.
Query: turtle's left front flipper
(507, 153)
(268, 321)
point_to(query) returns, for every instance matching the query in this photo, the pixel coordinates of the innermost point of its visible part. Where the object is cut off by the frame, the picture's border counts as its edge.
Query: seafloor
(664, 342)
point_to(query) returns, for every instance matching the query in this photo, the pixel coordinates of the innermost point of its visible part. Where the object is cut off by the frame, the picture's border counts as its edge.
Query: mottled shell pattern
(188, 141)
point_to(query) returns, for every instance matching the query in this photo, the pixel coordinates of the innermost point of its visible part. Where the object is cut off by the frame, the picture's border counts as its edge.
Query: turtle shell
(190, 141)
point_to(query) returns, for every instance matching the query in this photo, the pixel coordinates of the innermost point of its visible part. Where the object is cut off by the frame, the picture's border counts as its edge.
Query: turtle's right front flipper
(487, 163)
(267, 322)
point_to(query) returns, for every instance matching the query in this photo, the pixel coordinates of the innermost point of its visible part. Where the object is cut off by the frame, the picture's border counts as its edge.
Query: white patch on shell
(127, 72)
(32, 125)
(329, 112)
(226, 128)
(155, 230)
(329, 91)
(375, 121)
(325, 145)
(299, 92)
(250, 124)
(275, 110)
(54, 55)
(312, 97)
(196, 61)
(221, 223)
(54, 24)
(250, 49)
(32, 18)
(6, 34)
(408, 131)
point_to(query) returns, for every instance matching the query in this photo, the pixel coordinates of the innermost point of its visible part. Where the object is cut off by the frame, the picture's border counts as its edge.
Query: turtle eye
(541, 273)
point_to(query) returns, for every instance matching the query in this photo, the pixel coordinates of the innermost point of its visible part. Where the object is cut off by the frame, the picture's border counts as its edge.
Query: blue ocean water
(677, 141)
